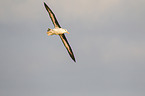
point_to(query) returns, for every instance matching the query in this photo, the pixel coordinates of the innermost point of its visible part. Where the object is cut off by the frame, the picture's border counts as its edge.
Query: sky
(107, 38)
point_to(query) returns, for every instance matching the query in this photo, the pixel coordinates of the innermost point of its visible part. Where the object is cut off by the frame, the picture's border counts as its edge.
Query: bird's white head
(65, 31)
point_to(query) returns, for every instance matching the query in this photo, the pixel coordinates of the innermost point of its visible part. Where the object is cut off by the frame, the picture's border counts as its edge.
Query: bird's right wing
(52, 16)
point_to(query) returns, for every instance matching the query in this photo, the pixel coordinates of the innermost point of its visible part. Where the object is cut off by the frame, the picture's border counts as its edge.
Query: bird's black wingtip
(44, 3)
(74, 60)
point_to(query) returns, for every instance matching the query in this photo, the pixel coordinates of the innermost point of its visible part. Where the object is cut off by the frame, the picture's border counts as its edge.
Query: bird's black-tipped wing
(52, 16)
(67, 46)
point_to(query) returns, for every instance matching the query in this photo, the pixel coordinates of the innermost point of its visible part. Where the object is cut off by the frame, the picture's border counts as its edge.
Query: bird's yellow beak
(67, 32)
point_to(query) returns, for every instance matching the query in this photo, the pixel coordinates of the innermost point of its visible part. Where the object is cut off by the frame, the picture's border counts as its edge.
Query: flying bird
(59, 31)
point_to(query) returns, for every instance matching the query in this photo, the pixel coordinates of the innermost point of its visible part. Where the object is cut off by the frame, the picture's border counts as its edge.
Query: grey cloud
(107, 38)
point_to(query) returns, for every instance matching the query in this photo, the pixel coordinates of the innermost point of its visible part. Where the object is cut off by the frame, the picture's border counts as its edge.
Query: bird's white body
(56, 31)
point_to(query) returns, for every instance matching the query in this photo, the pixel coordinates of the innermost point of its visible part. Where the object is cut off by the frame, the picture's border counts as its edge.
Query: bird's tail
(48, 29)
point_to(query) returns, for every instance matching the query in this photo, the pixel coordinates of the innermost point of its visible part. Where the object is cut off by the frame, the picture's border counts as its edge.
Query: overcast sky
(107, 38)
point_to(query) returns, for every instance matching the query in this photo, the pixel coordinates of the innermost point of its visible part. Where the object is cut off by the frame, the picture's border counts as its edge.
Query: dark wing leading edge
(52, 16)
(67, 46)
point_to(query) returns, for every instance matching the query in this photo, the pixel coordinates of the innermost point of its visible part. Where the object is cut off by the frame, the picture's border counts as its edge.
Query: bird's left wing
(66, 44)
(52, 16)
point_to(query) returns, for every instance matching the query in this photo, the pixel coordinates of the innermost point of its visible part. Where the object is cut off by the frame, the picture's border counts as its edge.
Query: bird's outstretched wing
(52, 16)
(67, 46)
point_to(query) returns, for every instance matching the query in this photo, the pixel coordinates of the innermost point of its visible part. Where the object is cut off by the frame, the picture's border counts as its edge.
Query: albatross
(59, 31)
